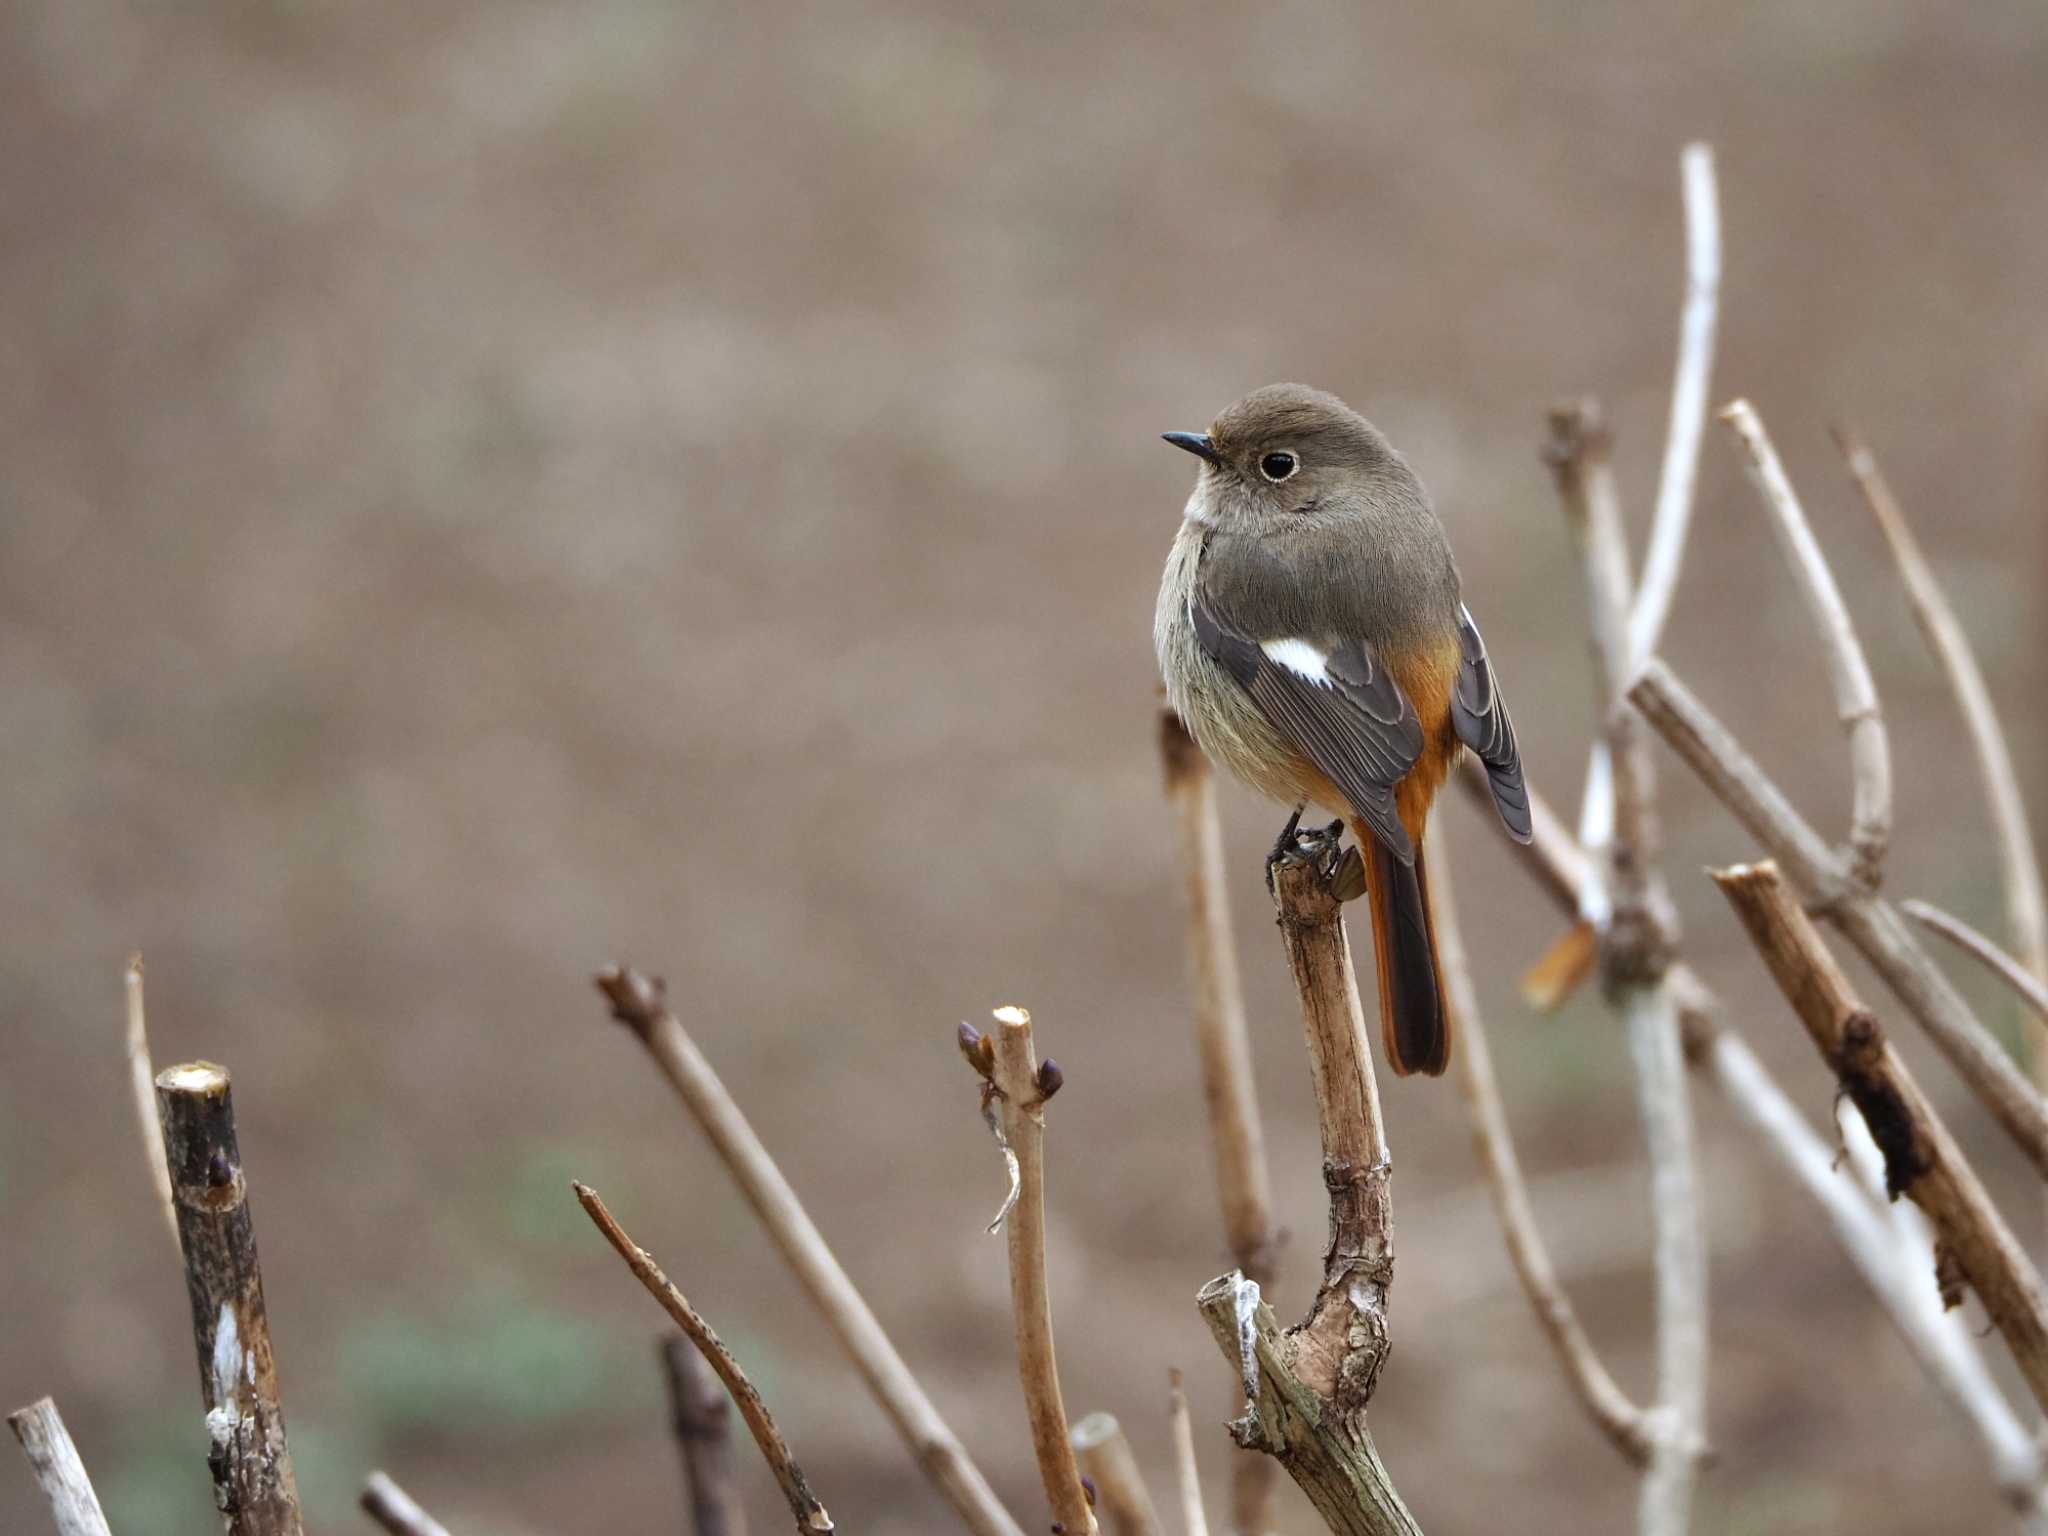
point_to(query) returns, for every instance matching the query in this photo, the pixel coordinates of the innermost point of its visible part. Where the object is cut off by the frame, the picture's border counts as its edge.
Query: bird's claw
(1341, 869)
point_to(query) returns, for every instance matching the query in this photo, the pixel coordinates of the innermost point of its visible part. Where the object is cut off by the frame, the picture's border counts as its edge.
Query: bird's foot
(1341, 869)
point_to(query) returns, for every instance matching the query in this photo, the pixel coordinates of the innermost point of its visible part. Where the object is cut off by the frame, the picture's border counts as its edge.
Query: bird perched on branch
(1312, 636)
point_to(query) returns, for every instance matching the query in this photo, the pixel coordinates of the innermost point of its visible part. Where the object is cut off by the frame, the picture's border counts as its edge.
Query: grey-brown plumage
(1312, 636)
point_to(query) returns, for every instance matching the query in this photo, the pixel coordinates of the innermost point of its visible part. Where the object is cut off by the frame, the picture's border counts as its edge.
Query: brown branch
(394, 1509)
(1120, 1492)
(803, 1504)
(2020, 867)
(1306, 1393)
(1922, 1161)
(1855, 694)
(253, 1484)
(58, 1471)
(1193, 1521)
(142, 1079)
(1866, 920)
(1951, 1361)
(2007, 969)
(1620, 1420)
(701, 1415)
(1243, 1186)
(1016, 1086)
(640, 1003)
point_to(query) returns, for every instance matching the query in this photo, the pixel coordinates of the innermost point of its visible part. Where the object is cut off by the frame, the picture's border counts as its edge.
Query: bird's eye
(1278, 466)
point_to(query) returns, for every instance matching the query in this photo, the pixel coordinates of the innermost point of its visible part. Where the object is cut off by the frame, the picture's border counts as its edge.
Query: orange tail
(1413, 1023)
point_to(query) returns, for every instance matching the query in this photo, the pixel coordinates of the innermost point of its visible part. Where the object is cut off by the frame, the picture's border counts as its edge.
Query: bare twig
(1855, 694)
(2007, 969)
(1620, 1420)
(1243, 1186)
(1688, 423)
(1922, 1161)
(1306, 1394)
(1949, 1359)
(2018, 864)
(58, 1471)
(253, 1484)
(1635, 941)
(803, 1504)
(701, 1414)
(1020, 1085)
(1193, 1521)
(1871, 924)
(640, 1003)
(142, 1077)
(1120, 1491)
(394, 1509)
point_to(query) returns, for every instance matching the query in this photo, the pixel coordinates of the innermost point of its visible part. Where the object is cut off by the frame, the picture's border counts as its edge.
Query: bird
(1313, 637)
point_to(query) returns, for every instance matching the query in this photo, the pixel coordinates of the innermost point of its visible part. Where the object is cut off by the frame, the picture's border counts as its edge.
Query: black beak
(1197, 443)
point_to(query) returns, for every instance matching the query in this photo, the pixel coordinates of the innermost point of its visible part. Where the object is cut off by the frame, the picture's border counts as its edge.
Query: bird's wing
(1481, 720)
(1336, 704)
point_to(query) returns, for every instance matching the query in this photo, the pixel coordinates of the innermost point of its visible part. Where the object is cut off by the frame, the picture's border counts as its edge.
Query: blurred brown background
(485, 489)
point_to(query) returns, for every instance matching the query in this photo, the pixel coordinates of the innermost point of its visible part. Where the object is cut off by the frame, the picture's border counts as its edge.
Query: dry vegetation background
(489, 490)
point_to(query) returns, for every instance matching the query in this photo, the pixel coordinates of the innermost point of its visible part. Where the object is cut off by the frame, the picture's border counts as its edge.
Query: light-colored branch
(1871, 924)
(1946, 1354)
(1243, 1186)
(700, 1413)
(1193, 1521)
(1635, 940)
(2007, 969)
(1620, 1420)
(394, 1509)
(142, 1078)
(1870, 760)
(2019, 865)
(1242, 1183)
(253, 1484)
(1306, 1393)
(58, 1471)
(640, 1003)
(1120, 1492)
(1681, 1261)
(1020, 1085)
(810, 1515)
(1688, 425)
(1922, 1161)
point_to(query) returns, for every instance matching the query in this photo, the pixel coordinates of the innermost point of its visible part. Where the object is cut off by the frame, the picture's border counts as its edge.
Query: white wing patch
(1300, 658)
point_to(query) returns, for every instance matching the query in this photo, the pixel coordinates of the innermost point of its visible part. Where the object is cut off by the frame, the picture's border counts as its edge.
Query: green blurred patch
(505, 1364)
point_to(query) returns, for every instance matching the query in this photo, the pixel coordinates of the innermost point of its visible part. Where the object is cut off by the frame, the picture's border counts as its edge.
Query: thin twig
(2018, 863)
(394, 1509)
(2002, 965)
(1193, 1521)
(1868, 922)
(253, 1484)
(1306, 1393)
(1243, 1186)
(700, 1413)
(803, 1504)
(1020, 1084)
(142, 1077)
(640, 1003)
(58, 1470)
(1636, 935)
(1689, 384)
(1949, 1359)
(1922, 1161)
(1120, 1491)
(1870, 760)
(1621, 1421)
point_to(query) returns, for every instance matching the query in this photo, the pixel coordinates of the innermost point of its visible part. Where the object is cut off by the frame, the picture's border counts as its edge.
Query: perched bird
(1312, 637)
